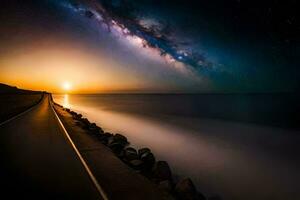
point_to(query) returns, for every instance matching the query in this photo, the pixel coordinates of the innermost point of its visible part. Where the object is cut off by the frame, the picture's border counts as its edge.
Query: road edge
(83, 162)
(22, 113)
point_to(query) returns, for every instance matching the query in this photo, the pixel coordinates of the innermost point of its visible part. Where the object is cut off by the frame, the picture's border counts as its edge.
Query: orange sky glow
(48, 65)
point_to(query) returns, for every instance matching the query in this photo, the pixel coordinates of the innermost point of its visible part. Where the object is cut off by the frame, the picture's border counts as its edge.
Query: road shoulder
(117, 179)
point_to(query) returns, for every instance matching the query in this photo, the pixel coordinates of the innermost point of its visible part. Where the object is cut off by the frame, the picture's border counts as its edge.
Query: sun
(66, 86)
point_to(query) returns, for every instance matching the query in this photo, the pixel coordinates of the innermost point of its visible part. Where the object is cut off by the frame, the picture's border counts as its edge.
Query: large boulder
(74, 116)
(162, 171)
(93, 125)
(104, 138)
(73, 113)
(130, 154)
(85, 123)
(143, 151)
(186, 190)
(100, 130)
(94, 129)
(118, 138)
(117, 143)
(149, 160)
(77, 116)
(116, 147)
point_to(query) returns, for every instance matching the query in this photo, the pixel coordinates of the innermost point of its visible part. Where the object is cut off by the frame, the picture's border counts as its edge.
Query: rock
(72, 113)
(165, 185)
(186, 190)
(116, 147)
(85, 123)
(67, 109)
(149, 160)
(143, 150)
(94, 129)
(93, 125)
(108, 135)
(130, 154)
(162, 171)
(117, 143)
(101, 130)
(118, 138)
(85, 120)
(77, 116)
(104, 137)
(136, 164)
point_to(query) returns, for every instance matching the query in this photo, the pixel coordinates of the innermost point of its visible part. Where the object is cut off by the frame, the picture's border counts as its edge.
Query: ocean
(237, 146)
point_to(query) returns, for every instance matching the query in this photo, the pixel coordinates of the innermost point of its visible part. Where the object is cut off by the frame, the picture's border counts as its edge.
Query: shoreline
(141, 161)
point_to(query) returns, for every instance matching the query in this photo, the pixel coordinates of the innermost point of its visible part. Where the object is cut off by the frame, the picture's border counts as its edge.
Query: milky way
(190, 46)
(149, 34)
(235, 63)
(146, 33)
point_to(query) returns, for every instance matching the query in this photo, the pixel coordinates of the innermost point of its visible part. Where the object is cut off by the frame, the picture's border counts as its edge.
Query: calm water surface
(236, 146)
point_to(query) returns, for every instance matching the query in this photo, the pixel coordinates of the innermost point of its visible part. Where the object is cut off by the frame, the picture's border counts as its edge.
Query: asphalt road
(37, 160)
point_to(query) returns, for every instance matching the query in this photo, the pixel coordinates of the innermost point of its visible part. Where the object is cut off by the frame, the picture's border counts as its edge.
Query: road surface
(37, 160)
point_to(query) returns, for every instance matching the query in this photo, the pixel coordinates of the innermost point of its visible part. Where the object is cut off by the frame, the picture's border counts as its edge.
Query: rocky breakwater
(142, 161)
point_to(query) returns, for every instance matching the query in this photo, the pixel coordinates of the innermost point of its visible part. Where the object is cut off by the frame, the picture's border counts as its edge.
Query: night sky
(160, 45)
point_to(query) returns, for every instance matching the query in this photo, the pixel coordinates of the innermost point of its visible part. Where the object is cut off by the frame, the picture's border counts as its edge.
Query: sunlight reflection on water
(66, 102)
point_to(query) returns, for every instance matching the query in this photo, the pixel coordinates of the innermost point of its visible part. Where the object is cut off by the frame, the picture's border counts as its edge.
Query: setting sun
(66, 86)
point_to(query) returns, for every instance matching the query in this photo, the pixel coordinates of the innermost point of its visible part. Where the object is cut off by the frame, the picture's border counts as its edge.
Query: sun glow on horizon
(72, 68)
(67, 86)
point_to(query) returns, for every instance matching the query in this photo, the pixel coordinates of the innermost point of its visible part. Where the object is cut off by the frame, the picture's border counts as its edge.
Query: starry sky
(151, 45)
